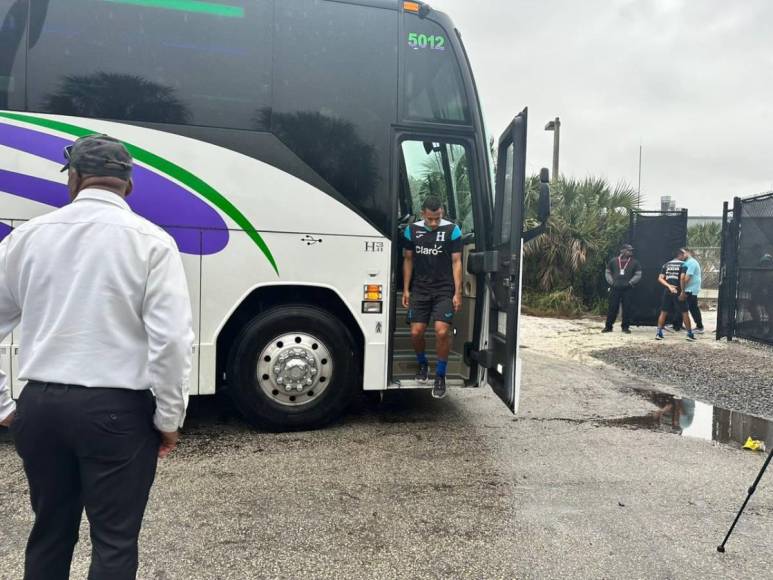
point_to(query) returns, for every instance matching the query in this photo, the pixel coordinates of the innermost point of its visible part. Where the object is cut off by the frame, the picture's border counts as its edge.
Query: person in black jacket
(622, 274)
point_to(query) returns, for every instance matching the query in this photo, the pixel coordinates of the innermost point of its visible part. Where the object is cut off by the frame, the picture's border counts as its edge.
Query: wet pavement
(588, 481)
(696, 419)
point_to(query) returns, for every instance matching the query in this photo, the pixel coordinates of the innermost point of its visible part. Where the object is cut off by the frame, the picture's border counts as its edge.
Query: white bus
(283, 144)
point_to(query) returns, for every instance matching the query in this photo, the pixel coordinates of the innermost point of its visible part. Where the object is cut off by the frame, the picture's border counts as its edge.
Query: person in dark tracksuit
(101, 300)
(622, 274)
(674, 301)
(432, 278)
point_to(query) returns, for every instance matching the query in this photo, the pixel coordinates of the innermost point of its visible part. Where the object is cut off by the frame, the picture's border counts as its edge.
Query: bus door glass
(501, 266)
(432, 167)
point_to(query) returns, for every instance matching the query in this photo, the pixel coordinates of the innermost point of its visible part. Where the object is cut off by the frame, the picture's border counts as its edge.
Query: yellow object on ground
(754, 444)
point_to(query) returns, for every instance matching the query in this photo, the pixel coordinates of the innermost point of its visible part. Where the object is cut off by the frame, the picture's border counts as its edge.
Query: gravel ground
(459, 488)
(737, 376)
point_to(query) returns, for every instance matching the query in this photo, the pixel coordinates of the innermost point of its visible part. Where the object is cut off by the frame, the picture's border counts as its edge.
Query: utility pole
(638, 196)
(555, 126)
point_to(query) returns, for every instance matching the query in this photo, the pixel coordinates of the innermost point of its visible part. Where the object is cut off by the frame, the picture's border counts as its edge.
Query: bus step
(404, 364)
(409, 383)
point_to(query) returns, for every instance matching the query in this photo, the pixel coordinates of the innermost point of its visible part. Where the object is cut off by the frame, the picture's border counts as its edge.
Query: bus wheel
(292, 367)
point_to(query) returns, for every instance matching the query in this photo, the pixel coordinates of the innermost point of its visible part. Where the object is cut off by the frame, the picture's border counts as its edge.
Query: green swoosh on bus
(168, 168)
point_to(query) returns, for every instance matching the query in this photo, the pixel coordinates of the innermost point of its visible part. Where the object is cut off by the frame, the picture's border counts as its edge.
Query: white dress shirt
(101, 300)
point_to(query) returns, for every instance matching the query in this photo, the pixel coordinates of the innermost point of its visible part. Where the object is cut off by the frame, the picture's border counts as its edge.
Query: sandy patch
(577, 339)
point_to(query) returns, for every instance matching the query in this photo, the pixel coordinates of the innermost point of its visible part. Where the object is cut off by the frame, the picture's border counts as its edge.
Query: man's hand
(8, 420)
(168, 443)
(406, 298)
(682, 297)
(457, 301)
(672, 289)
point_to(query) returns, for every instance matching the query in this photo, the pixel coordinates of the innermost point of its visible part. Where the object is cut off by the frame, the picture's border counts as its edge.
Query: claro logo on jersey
(436, 251)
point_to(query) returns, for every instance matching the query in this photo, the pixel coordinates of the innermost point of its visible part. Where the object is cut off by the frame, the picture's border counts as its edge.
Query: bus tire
(292, 368)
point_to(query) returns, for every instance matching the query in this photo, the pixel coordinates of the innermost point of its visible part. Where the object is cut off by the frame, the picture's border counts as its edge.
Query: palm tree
(432, 181)
(708, 235)
(589, 218)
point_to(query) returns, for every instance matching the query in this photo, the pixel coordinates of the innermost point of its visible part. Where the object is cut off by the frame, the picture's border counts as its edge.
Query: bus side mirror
(543, 209)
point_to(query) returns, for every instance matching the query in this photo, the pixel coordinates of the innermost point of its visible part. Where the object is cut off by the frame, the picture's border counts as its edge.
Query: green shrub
(561, 303)
(708, 235)
(589, 221)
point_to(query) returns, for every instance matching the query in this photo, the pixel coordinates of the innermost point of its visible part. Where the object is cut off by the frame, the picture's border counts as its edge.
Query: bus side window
(166, 62)
(13, 24)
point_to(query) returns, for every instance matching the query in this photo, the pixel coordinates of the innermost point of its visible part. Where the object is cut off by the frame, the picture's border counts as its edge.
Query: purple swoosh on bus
(155, 197)
(4, 231)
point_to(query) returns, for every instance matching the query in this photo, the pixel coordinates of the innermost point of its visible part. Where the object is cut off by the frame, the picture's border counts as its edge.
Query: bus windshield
(433, 88)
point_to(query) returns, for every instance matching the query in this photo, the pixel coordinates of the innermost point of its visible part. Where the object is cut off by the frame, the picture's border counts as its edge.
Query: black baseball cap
(628, 247)
(99, 155)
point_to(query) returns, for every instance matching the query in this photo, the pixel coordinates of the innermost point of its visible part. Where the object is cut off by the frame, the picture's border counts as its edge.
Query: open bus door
(502, 265)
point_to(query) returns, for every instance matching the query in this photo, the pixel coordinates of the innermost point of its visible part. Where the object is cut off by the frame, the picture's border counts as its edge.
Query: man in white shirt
(101, 301)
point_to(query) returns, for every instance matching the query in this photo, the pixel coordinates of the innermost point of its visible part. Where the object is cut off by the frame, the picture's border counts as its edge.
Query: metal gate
(656, 236)
(745, 307)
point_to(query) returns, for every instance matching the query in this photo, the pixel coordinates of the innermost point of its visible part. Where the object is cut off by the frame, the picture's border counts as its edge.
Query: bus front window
(433, 88)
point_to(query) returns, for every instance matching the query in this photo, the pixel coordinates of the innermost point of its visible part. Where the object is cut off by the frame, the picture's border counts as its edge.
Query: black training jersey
(673, 271)
(432, 249)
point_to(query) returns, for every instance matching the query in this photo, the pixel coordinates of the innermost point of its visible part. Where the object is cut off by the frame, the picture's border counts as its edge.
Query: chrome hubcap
(294, 369)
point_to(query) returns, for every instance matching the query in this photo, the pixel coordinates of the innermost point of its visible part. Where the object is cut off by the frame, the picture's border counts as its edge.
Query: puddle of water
(690, 418)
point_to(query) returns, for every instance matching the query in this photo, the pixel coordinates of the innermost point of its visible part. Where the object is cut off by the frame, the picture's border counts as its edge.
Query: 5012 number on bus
(426, 41)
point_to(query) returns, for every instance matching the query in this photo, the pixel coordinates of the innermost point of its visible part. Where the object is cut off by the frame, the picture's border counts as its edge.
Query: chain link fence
(746, 273)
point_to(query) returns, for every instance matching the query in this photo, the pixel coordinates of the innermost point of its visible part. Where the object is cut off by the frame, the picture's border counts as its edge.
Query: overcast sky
(692, 80)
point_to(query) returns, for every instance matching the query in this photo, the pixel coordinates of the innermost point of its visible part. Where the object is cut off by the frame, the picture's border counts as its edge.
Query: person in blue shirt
(692, 287)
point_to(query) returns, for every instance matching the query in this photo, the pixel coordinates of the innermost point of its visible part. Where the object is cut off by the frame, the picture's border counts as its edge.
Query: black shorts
(426, 306)
(672, 304)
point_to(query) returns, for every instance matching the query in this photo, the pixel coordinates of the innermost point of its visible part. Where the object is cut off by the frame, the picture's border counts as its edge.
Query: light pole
(638, 194)
(555, 126)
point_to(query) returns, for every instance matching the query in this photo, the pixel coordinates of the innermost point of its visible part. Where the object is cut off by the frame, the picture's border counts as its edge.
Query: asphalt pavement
(458, 488)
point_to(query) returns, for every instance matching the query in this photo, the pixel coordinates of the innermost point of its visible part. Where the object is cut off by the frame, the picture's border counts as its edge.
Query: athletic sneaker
(659, 335)
(699, 330)
(691, 336)
(439, 390)
(626, 331)
(606, 330)
(670, 328)
(423, 375)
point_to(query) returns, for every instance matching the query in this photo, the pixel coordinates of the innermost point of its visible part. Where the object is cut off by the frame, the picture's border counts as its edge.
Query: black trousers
(695, 311)
(618, 296)
(89, 448)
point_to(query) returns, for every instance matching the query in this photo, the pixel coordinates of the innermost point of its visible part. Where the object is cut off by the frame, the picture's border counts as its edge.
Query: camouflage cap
(99, 155)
